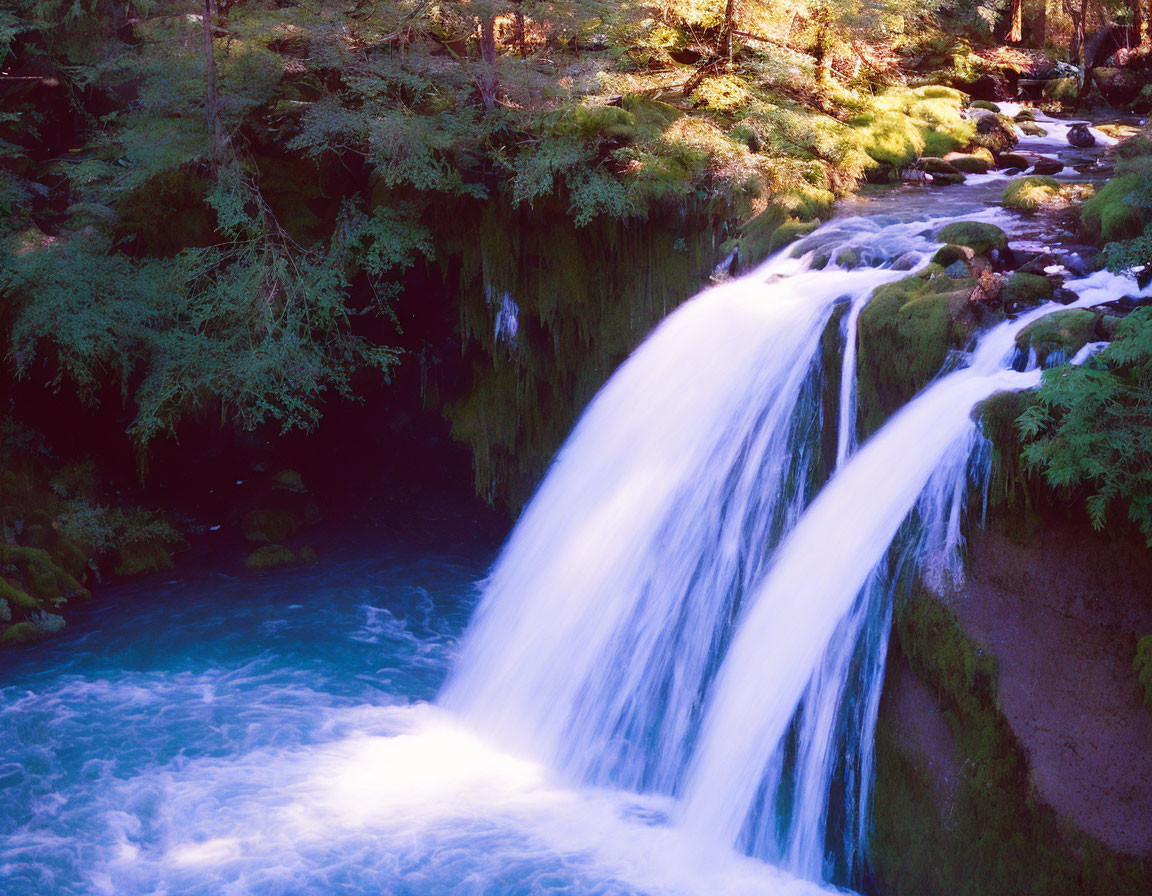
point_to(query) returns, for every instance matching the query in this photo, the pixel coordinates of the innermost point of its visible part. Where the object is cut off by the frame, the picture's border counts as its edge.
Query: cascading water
(675, 530)
(692, 616)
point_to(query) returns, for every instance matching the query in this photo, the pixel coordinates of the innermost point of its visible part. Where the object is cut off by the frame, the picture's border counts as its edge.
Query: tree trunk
(212, 95)
(724, 50)
(1016, 23)
(488, 82)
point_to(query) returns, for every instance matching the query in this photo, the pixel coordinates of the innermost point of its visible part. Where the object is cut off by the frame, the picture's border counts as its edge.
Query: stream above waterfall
(601, 727)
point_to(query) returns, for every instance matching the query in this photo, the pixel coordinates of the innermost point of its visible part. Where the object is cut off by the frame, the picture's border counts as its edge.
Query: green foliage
(1089, 428)
(1120, 209)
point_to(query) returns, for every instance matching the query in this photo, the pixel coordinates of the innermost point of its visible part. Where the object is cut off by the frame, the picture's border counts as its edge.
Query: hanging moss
(581, 299)
(906, 332)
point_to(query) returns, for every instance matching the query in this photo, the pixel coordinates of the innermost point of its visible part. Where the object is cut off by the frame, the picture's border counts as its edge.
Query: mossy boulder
(21, 633)
(1014, 160)
(139, 557)
(1027, 194)
(1108, 216)
(1031, 129)
(970, 163)
(951, 254)
(948, 180)
(986, 105)
(1024, 115)
(1058, 335)
(788, 232)
(905, 333)
(18, 598)
(270, 556)
(982, 239)
(1062, 90)
(39, 575)
(995, 132)
(1022, 289)
(271, 525)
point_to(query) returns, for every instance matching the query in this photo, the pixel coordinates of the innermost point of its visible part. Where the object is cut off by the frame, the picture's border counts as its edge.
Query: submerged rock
(1079, 136)
(271, 556)
(1047, 166)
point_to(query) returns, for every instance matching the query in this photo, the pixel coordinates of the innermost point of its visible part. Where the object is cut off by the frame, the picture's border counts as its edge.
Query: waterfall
(604, 615)
(689, 606)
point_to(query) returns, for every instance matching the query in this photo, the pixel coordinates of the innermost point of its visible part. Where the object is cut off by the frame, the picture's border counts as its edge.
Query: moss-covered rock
(950, 254)
(995, 132)
(905, 333)
(270, 556)
(788, 232)
(1062, 90)
(272, 525)
(39, 575)
(1061, 334)
(1031, 129)
(970, 163)
(980, 238)
(948, 180)
(1108, 217)
(289, 481)
(986, 105)
(1022, 289)
(21, 633)
(1027, 194)
(17, 598)
(308, 554)
(139, 557)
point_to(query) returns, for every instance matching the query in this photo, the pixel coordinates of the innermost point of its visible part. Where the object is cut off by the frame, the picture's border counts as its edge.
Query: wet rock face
(1079, 136)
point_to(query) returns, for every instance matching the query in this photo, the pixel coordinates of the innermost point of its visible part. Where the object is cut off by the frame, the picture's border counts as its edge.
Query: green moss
(17, 597)
(788, 232)
(1063, 333)
(1027, 289)
(1108, 217)
(21, 633)
(1027, 194)
(270, 556)
(271, 525)
(40, 575)
(951, 253)
(985, 104)
(141, 557)
(1142, 664)
(906, 331)
(970, 164)
(1062, 90)
(980, 238)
